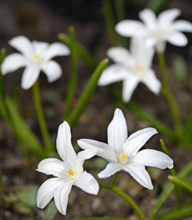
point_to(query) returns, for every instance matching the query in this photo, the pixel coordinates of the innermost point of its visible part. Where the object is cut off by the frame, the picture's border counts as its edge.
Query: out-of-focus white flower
(157, 30)
(131, 67)
(68, 172)
(35, 56)
(123, 153)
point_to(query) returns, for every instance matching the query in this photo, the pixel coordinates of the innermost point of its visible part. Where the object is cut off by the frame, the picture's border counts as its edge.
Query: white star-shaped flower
(35, 56)
(157, 30)
(131, 68)
(123, 153)
(68, 172)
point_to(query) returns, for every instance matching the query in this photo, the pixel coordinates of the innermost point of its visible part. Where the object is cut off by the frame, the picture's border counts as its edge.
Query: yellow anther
(36, 56)
(138, 68)
(70, 172)
(156, 33)
(123, 157)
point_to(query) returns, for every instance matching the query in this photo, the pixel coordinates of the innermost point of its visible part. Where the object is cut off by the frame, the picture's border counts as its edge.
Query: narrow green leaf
(22, 130)
(157, 5)
(167, 191)
(179, 212)
(87, 93)
(73, 75)
(81, 52)
(183, 184)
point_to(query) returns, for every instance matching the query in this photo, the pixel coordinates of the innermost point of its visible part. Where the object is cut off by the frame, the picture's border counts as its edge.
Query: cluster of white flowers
(135, 66)
(121, 152)
(131, 67)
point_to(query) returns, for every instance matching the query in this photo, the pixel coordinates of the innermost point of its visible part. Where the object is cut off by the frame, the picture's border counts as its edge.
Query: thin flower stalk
(168, 95)
(40, 116)
(73, 75)
(124, 196)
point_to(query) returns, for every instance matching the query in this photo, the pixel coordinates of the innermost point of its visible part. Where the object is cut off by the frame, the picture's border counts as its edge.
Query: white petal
(117, 132)
(64, 146)
(153, 158)
(40, 47)
(177, 39)
(12, 63)
(51, 166)
(61, 196)
(129, 86)
(137, 140)
(151, 81)
(120, 55)
(52, 69)
(166, 17)
(85, 155)
(30, 76)
(129, 28)
(46, 191)
(103, 150)
(56, 49)
(182, 25)
(110, 169)
(139, 173)
(142, 54)
(149, 18)
(111, 74)
(23, 45)
(88, 183)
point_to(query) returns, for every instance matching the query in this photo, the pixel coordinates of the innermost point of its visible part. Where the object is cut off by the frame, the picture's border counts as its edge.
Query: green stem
(114, 179)
(126, 198)
(119, 6)
(110, 22)
(40, 116)
(73, 75)
(168, 95)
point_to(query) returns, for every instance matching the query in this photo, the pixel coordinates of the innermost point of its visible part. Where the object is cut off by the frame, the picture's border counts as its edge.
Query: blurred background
(43, 20)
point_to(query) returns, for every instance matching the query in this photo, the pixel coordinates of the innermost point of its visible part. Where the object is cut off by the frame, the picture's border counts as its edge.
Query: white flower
(122, 152)
(131, 67)
(157, 30)
(68, 172)
(35, 56)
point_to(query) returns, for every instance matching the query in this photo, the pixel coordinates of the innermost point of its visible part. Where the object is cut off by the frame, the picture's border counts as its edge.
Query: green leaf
(22, 130)
(167, 191)
(181, 211)
(27, 195)
(87, 93)
(51, 211)
(183, 184)
(157, 5)
(80, 51)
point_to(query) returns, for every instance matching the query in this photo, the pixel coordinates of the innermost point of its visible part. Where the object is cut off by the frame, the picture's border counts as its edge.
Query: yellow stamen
(156, 33)
(137, 68)
(123, 157)
(36, 56)
(70, 172)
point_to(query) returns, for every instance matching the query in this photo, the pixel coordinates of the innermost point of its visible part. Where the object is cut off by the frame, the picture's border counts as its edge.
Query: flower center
(137, 69)
(70, 172)
(73, 174)
(157, 33)
(123, 159)
(36, 57)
